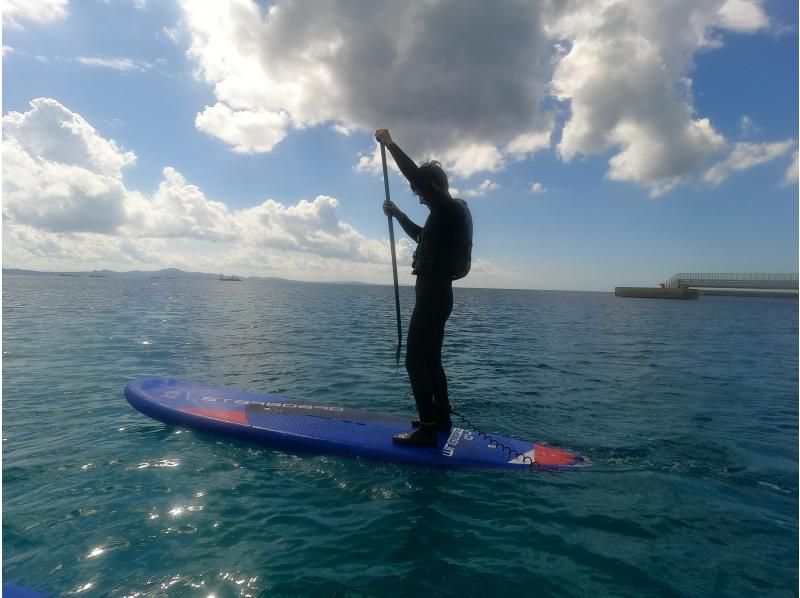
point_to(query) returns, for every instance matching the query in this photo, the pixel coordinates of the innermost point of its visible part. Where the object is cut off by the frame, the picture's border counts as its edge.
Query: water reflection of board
(327, 429)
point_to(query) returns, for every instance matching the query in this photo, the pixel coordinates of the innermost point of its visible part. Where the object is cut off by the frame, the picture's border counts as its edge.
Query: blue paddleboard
(325, 428)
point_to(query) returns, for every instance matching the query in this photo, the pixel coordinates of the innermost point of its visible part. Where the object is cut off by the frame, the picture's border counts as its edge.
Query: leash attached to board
(394, 260)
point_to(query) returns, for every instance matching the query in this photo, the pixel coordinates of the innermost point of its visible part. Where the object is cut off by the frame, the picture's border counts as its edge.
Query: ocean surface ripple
(686, 410)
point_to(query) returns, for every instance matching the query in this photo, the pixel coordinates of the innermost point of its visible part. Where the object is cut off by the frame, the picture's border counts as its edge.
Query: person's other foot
(424, 435)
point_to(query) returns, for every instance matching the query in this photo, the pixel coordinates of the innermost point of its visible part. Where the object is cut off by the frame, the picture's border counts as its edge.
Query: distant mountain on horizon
(166, 273)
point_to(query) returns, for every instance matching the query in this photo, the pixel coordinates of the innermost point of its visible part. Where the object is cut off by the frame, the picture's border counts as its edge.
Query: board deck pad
(323, 428)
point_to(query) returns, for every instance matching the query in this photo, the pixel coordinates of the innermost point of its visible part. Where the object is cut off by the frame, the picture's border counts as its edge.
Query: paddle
(394, 259)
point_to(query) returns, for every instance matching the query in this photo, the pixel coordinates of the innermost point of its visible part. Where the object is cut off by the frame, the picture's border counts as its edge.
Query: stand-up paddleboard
(328, 429)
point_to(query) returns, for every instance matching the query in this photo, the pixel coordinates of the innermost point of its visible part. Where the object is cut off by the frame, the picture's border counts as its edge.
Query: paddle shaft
(394, 258)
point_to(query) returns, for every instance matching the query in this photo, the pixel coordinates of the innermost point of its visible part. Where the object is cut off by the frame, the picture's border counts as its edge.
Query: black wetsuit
(444, 247)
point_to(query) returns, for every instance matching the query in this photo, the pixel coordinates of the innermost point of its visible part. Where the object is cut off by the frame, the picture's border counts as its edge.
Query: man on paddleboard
(443, 254)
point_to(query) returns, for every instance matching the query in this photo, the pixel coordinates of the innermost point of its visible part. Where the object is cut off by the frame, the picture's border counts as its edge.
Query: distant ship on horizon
(233, 278)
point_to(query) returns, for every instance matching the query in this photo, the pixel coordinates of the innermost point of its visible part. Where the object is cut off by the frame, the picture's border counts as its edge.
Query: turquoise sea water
(687, 411)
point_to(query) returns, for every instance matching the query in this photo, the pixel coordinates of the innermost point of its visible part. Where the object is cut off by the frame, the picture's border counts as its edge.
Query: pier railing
(733, 280)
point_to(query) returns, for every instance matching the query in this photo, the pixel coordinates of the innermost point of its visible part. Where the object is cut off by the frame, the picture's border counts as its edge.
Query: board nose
(547, 455)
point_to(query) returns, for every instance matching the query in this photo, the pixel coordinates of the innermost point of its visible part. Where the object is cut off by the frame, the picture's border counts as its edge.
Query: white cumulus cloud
(791, 173)
(179, 209)
(531, 142)
(37, 11)
(248, 131)
(65, 202)
(742, 16)
(117, 64)
(537, 187)
(486, 186)
(745, 156)
(59, 174)
(625, 77)
(470, 83)
(53, 133)
(58, 197)
(394, 65)
(310, 226)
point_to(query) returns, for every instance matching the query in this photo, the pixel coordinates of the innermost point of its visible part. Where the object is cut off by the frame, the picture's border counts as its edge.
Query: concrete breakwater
(684, 293)
(738, 293)
(693, 285)
(657, 293)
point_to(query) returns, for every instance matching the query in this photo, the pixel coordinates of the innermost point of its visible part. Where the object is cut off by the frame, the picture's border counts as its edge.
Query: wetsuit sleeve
(419, 183)
(407, 167)
(412, 230)
(411, 172)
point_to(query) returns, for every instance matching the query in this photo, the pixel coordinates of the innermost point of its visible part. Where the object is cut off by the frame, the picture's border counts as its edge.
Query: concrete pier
(762, 281)
(657, 293)
(693, 285)
(738, 293)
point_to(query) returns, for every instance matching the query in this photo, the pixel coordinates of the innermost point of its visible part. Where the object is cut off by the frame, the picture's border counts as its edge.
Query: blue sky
(598, 143)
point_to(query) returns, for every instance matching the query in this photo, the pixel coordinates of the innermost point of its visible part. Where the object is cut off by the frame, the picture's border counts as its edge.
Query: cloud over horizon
(65, 198)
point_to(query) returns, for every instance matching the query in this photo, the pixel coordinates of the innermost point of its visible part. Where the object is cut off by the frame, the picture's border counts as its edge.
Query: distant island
(165, 274)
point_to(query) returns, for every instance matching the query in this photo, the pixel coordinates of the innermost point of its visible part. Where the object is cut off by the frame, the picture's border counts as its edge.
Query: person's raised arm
(406, 165)
(411, 172)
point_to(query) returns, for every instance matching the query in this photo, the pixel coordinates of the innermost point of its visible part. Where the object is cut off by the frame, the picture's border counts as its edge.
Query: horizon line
(355, 282)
